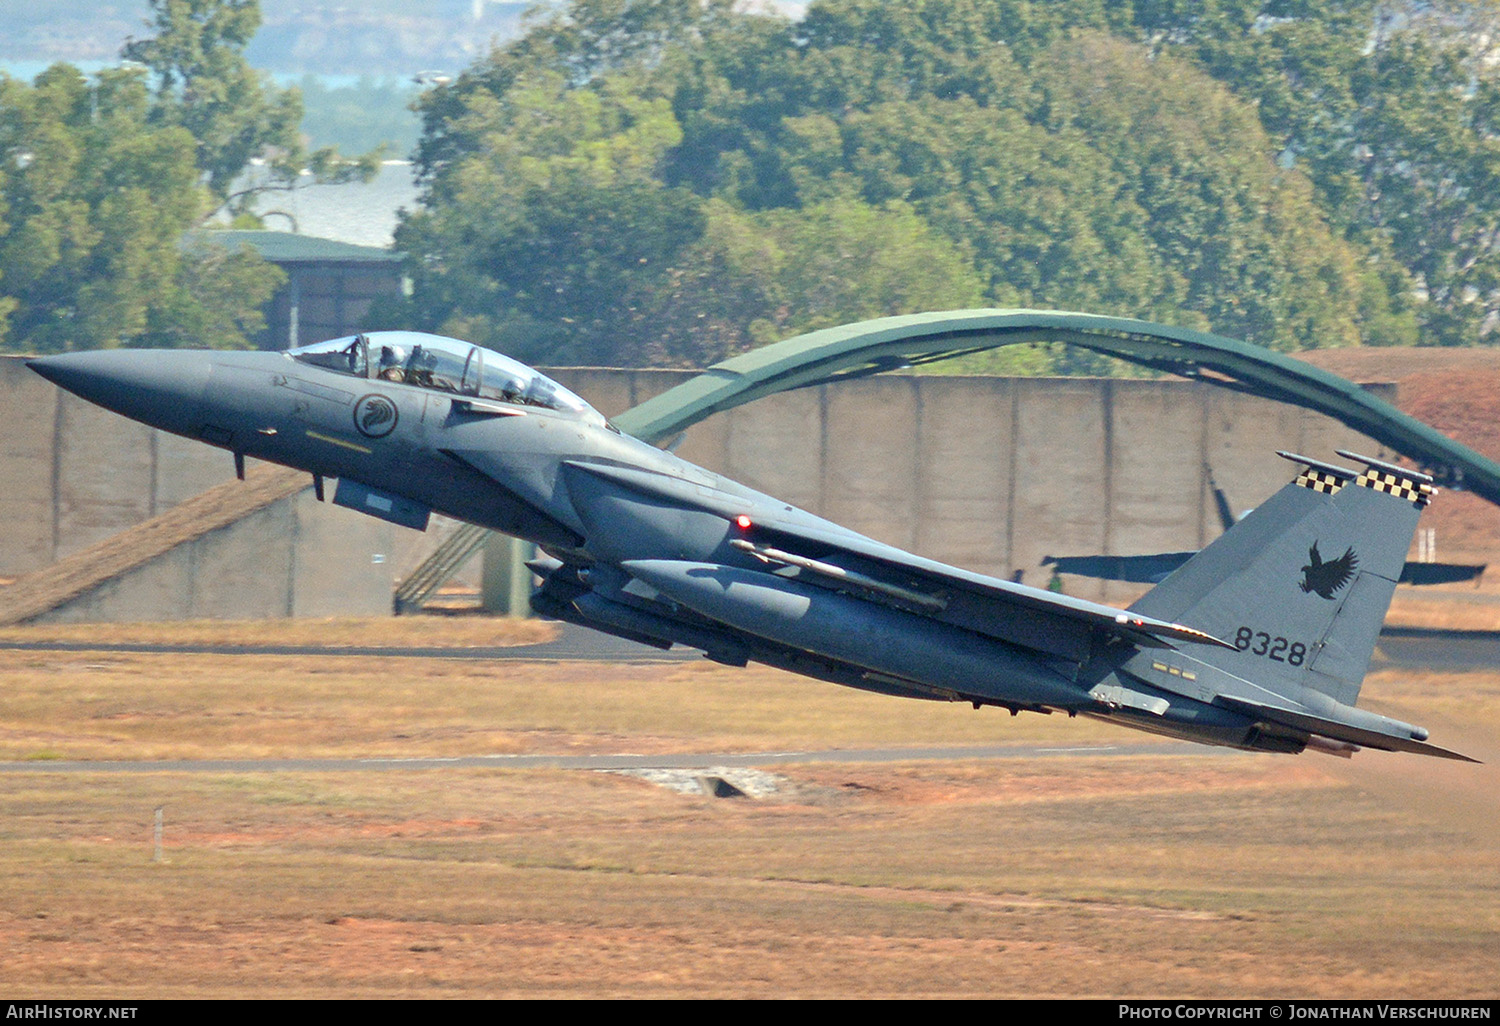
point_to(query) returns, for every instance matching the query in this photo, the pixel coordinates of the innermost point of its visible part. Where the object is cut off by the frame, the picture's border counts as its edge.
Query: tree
(1235, 240)
(531, 238)
(552, 234)
(97, 196)
(203, 83)
(1389, 106)
(757, 277)
(1068, 153)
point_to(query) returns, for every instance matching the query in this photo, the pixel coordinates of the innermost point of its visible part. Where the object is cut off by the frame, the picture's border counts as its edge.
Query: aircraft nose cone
(163, 388)
(82, 374)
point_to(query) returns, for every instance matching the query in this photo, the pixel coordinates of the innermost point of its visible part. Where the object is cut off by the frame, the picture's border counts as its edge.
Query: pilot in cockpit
(505, 386)
(420, 370)
(392, 364)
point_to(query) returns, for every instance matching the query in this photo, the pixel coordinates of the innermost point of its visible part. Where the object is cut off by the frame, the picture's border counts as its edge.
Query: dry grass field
(1204, 874)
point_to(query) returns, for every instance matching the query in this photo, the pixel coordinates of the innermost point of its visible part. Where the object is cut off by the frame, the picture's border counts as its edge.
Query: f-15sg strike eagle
(1257, 642)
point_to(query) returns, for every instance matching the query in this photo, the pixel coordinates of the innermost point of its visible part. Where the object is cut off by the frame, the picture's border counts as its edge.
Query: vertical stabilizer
(1302, 584)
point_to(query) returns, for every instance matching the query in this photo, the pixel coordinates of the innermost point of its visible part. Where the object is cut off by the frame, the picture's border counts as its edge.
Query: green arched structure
(893, 343)
(890, 343)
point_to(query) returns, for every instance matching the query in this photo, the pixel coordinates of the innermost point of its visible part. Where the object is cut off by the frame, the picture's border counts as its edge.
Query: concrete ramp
(262, 547)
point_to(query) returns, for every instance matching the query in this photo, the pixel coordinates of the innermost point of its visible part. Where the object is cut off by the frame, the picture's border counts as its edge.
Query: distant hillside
(320, 37)
(68, 30)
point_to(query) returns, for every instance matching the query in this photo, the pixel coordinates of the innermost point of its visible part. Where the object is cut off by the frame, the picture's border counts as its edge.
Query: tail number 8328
(1293, 653)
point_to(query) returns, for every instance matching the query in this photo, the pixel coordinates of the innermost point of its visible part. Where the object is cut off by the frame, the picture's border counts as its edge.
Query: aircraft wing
(827, 554)
(987, 604)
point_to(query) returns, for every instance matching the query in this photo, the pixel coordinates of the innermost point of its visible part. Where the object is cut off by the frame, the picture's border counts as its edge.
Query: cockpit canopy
(443, 365)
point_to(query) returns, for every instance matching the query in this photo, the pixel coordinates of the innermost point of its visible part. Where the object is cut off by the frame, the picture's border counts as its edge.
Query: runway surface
(606, 762)
(1412, 647)
(573, 643)
(1399, 647)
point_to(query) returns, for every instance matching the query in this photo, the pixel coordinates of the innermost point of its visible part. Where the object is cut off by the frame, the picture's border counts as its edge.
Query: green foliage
(96, 196)
(1389, 109)
(214, 301)
(558, 240)
(1299, 174)
(756, 277)
(204, 84)
(1229, 238)
(553, 220)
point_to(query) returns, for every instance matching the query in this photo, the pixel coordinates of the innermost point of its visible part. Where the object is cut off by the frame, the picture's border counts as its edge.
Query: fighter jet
(1242, 646)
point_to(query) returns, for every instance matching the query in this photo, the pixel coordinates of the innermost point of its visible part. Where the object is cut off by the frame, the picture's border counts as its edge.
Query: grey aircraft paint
(1251, 643)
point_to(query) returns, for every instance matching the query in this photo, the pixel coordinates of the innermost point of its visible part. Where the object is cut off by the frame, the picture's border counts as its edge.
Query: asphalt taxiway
(1407, 647)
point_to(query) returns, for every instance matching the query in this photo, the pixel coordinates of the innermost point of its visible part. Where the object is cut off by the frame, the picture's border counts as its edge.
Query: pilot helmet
(391, 356)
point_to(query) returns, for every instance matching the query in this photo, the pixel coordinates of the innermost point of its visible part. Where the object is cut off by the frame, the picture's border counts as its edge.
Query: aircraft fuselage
(643, 544)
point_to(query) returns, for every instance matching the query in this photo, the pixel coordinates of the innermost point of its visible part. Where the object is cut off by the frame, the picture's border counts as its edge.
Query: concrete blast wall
(72, 474)
(295, 557)
(992, 474)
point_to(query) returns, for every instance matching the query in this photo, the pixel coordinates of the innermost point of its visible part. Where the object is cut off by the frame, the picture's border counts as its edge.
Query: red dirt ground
(1456, 391)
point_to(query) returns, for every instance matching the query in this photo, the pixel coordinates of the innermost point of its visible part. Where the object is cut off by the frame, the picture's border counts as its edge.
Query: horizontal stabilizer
(1154, 568)
(1302, 720)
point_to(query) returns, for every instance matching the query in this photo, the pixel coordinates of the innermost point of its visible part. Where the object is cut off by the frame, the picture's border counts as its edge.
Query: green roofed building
(330, 285)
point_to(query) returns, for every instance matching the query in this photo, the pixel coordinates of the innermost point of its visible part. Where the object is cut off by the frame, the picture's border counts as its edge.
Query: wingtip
(1434, 751)
(1459, 756)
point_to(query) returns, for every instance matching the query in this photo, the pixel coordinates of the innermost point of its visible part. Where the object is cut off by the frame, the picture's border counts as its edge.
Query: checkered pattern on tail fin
(1414, 492)
(1391, 479)
(1320, 481)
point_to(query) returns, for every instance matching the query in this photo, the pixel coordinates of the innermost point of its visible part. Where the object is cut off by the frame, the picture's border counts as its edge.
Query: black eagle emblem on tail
(1327, 578)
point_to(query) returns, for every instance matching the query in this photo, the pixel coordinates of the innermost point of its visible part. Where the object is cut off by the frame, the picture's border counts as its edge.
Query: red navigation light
(742, 522)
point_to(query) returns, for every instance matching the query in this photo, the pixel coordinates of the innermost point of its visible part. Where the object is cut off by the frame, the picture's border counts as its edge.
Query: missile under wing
(1250, 644)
